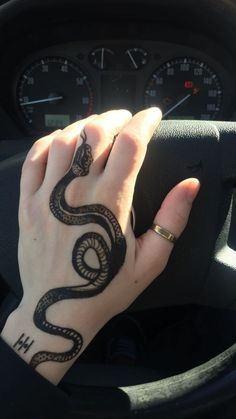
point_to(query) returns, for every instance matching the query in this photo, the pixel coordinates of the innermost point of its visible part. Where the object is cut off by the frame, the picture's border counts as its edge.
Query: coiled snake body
(110, 256)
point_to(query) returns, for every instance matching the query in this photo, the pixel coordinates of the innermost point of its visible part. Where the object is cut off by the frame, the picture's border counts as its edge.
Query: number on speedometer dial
(185, 88)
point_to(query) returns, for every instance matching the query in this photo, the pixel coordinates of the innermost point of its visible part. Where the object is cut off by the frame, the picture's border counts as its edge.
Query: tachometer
(54, 92)
(185, 88)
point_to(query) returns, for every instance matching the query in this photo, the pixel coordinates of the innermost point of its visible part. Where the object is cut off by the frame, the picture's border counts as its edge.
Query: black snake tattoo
(110, 255)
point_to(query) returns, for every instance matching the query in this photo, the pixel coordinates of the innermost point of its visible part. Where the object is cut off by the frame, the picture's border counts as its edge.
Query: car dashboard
(60, 65)
(60, 84)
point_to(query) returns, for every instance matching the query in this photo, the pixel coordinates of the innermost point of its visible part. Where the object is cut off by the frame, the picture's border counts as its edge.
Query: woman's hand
(80, 263)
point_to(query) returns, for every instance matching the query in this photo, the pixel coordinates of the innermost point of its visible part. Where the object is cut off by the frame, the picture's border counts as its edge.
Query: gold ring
(163, 233)
(132, 218)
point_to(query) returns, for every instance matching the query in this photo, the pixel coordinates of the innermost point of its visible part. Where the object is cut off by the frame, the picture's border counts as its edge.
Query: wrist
(22, 335)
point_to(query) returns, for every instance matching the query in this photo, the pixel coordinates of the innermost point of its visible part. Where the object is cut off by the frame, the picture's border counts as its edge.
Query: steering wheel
(202, 268)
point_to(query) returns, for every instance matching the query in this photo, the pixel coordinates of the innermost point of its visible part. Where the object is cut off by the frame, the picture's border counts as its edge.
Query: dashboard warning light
(188, 84)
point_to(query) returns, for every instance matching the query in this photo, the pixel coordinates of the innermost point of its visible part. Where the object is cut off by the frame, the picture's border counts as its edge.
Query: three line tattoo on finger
(23, 343)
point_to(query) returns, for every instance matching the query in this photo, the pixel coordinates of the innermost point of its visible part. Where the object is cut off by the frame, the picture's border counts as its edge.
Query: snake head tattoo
(83, 158)
(110, 250)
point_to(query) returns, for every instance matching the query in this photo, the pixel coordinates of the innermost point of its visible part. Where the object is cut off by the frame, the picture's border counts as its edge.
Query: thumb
(153, 251)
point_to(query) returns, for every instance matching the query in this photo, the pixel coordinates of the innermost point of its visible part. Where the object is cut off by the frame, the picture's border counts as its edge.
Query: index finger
(129, 149)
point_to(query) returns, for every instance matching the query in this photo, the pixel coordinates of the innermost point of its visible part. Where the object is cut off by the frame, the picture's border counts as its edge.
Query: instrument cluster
(61, 84)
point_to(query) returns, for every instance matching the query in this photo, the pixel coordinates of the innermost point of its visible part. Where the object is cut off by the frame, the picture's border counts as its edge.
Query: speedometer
(185, 88)
(52, 93)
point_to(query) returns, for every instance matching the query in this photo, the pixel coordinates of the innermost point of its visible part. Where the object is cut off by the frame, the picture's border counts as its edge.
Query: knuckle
(24, 166)
(94, 131)
(37, 143)
(32, 151)
(132, 140)
(28, 162)
(60, 140)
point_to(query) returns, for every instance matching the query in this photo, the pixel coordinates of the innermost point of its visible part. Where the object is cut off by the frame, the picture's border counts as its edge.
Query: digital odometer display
(54, 92)
(56, 121)
(185, 88)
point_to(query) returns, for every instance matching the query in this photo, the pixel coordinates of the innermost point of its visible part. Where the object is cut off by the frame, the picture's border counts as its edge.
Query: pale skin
(45, 244)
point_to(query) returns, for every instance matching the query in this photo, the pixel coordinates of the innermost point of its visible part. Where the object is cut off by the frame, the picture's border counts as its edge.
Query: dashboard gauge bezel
(136, 66)
(187, 94)
(44, 60)
(103, 50)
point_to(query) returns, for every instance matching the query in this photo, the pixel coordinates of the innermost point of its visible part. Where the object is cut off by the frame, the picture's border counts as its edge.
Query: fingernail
(193, 189)
(154, 114)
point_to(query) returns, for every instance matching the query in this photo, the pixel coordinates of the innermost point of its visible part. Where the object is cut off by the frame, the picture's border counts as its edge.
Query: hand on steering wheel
(80, 263)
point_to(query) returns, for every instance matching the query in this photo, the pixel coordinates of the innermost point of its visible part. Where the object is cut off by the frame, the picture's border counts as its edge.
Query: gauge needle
(177, 104)
(49, 99)
(132, 59)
